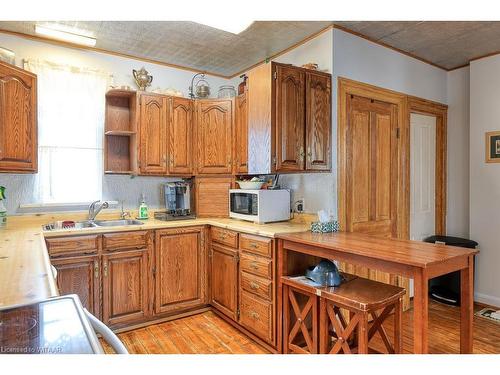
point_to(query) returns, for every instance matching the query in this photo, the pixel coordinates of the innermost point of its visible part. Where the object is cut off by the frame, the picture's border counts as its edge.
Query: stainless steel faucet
(94, 209)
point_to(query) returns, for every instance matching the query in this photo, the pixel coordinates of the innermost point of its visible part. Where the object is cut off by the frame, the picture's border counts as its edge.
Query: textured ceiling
(446, 44)
(189, 44)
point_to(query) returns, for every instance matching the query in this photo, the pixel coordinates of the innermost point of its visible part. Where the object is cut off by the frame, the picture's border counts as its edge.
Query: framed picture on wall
(493, 147)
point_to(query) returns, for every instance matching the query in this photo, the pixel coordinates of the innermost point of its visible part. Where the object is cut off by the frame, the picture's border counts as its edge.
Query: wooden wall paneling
(440, 111)
(180, 136)
(318, 121)
(181, 269)
(261, 124)
(18, 120)
(289, 84)
(212, 196)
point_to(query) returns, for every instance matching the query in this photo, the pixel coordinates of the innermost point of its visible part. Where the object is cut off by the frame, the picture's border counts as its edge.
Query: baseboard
(487, 300)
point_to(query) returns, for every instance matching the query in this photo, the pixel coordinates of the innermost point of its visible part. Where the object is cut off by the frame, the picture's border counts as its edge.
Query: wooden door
(241, 128)
(214, 136)
(289, 115)
(125, 286)
(224, 280)
(153, 135)
(371, 172)
(318, 121)
(18, 118)
(181, 274)
(81, 276)
(180, 136)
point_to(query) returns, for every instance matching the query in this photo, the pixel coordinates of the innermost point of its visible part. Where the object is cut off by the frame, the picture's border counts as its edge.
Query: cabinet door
(181, 274)
(18, 116)
(224, 280)
(289, 114)
(81, 276)
(180, 135)
(125, 286)
(318, 121)
(241, 128)
(153, 135)
(214, 136)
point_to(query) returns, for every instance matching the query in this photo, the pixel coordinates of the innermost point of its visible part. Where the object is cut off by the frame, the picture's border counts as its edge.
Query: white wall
(485, 177)
(20, 187)
(457, 219)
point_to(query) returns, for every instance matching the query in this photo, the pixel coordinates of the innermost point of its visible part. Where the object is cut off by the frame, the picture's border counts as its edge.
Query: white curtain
(70, 132)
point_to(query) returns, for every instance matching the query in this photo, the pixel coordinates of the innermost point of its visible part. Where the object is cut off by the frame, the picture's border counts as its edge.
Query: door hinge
(275, 75)
(154, 272)
(274, 160)
(397, 133)
(237, 258)
(238, 313)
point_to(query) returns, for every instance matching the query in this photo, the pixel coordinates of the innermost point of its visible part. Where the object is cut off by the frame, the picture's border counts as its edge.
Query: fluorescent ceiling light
(56, 32)
(231, 26)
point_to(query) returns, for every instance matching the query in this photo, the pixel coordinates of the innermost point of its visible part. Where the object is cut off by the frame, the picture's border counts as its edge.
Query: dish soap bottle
(143, 209)
(3, 210)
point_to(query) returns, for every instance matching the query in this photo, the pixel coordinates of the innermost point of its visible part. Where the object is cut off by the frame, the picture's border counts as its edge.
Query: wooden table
(413, 259)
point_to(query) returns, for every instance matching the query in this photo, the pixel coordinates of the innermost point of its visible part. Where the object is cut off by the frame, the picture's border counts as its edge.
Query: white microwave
(259, 206)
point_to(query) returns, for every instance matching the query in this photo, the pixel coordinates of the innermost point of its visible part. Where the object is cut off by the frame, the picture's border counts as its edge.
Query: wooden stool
(363, 299)
(300, 317)
(304, 333)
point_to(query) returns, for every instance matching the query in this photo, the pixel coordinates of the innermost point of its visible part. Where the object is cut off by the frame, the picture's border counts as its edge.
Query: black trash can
(446, 288)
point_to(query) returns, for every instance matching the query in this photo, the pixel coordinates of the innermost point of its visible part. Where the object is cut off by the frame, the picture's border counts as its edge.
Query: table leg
(420, 313)
(467, 306)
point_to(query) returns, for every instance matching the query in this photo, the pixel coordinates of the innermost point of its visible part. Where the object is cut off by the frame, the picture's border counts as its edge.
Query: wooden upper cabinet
(180, 136)
(18, 120)
(125, 287)
(289, 114)
(81, 276)
(224, 280)
(214, 132)
(153, 134)
(241, 129)
(181, 273)
(318, 121)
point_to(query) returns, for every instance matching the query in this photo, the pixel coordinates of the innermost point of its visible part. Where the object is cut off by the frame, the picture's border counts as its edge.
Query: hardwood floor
(208, 334)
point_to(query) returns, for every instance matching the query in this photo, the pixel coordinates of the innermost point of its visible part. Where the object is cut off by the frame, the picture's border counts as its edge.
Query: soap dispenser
(143, 209)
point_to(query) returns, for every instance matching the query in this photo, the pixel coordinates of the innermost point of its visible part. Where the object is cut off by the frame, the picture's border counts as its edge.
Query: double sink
(91, 224)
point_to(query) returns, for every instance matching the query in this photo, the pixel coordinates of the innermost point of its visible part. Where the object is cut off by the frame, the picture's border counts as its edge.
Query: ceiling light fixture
(67, 36)
(231, 26)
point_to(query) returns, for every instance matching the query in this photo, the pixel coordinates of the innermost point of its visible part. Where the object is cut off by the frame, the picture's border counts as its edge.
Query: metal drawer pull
(253, 245)
(254, 265)
(105, 269)
(96, 269)
(254, 285)
(254, 315)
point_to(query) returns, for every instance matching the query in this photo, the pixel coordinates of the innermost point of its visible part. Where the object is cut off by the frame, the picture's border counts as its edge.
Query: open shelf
(120, 130)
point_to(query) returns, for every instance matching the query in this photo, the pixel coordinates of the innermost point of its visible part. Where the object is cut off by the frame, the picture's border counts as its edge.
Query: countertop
(25, 272)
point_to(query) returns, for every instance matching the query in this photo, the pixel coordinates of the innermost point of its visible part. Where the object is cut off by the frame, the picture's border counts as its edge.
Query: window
(70, 132)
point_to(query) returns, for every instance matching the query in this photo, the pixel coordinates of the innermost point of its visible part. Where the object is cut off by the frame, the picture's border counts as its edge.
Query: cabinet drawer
(256, 245)
(257, 285)
(257, 316)
(125, 240)
(225, 237)
(72, 245)
(256, 265)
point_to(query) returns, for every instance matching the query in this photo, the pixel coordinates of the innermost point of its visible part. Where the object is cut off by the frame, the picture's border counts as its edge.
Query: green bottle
(143, 208)
(3, 210)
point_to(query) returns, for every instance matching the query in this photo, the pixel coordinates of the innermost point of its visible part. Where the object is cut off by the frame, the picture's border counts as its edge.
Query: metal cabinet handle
(254, 315)
(254, 265)
(105, 268)
(254, 285)
(96, 269)
(253, 245)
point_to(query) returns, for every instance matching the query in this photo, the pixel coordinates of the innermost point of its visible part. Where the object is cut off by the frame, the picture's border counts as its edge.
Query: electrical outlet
(299, 204)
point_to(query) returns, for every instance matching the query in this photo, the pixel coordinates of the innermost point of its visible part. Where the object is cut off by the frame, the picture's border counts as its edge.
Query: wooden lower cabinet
(125, 288)
(80, 275)
(257, 316)
(224, 279)
(180, 269)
